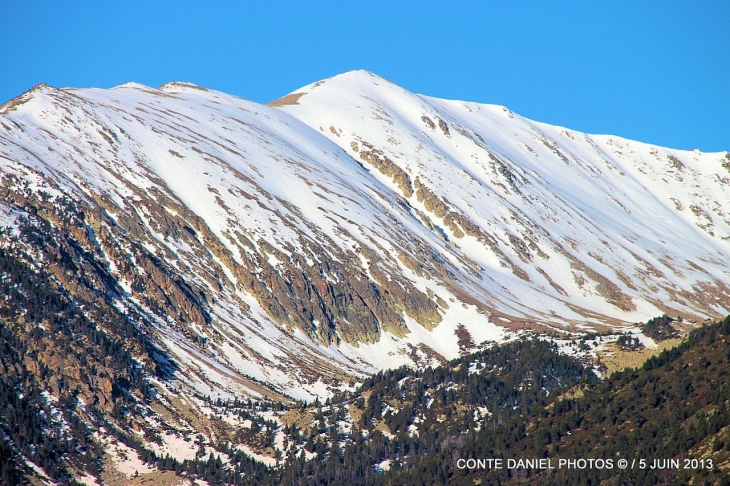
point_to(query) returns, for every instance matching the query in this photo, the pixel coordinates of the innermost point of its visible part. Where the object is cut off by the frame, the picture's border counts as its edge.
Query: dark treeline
(68, 367)
(59, 350)
(505, 381)
(676, 406)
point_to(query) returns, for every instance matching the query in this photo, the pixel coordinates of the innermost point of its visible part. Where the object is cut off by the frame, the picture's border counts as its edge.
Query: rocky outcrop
(385, 165)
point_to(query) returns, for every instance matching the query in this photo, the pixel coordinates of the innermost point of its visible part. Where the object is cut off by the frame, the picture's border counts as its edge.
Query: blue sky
(655, 71)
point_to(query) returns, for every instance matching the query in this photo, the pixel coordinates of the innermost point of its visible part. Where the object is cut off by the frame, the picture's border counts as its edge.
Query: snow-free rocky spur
(188, 243)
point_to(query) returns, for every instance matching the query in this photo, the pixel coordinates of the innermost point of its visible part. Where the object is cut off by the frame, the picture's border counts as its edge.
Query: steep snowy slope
(566, 227)
(258, 248)
(354, 225)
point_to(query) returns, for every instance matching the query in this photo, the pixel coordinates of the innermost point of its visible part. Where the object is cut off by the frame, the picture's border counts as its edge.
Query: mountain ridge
(169, 254)
(352, 88)
(414, 195)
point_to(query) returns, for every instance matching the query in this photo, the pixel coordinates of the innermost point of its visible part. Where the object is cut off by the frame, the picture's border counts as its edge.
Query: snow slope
(586, 227)
(354, 226)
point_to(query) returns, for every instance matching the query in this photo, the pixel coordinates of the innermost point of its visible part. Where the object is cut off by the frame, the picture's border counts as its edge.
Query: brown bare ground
(112, 477)
(381, 426)
(578, 391)
(290, 99)
(616, 359)
(303, 420)
(355, 413)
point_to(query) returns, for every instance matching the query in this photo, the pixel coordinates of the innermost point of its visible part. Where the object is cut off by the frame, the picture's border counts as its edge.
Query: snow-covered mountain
(352, 225)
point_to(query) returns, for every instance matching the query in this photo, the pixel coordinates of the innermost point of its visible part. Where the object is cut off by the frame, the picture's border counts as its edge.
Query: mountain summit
(593, 225)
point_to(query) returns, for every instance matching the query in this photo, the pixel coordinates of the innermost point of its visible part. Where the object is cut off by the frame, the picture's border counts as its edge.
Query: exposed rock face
(158, 246)
(530, 194)
(349, 224)
(386, 166)
(236, 271)
(64, 337)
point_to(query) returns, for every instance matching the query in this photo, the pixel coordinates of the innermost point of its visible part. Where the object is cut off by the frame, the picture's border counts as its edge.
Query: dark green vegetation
(56, 354)
(511, 380)
(660, 328)
(629, 342)
(675, 407)
(71, 363)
